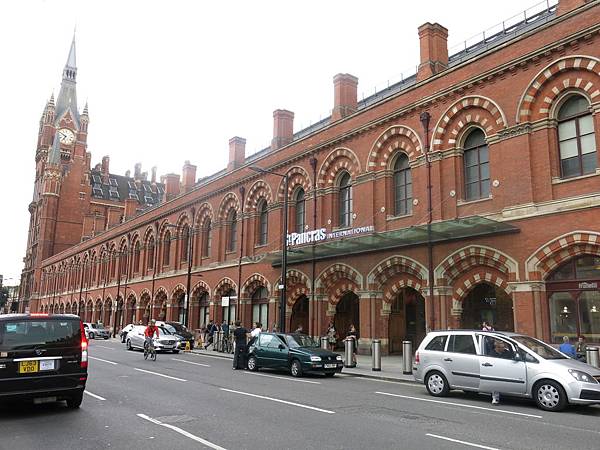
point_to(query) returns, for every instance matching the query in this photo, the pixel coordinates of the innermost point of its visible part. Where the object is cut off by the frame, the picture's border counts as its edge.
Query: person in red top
(151, 329)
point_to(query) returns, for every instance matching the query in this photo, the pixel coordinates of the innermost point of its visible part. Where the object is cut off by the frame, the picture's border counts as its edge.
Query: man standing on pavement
(239, 356)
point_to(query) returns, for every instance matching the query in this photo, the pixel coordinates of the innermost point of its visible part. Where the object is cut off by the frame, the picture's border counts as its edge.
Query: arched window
(113, 264)
(167, 249)
(229, 311)
(263, 223)
(477, 166)
(185, 242)
(345, 201)
(204, 310)
(151, 251)
(300, 204)
(136, 257)
(402, 186)
(576, 138)
(260, 306)
(206, 237)
(231, 230)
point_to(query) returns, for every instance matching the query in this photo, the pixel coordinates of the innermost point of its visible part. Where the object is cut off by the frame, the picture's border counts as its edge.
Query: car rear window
(438, 343)
(25, 334)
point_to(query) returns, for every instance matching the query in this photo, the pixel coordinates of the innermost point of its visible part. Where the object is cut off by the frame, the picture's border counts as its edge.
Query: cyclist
(151, 329)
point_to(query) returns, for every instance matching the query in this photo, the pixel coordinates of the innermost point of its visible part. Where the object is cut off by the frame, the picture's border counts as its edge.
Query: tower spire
(70, 70)
(67, 97)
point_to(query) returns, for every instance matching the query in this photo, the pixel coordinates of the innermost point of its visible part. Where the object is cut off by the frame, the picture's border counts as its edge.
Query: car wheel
(175, 351)
(105, 337)
(329, 374)
(75, 401)
(549, 395)
(436, 384)
(128, 345)
(252, 364)
(91, 335)
(296, 368)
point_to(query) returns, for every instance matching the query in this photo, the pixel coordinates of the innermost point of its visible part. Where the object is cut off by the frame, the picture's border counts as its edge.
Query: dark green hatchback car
(297, 353)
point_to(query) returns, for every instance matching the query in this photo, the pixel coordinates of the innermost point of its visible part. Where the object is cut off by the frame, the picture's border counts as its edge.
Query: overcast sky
(169, 81)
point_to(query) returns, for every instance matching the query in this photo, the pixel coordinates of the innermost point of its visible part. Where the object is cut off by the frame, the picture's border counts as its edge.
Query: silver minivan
(510, 363)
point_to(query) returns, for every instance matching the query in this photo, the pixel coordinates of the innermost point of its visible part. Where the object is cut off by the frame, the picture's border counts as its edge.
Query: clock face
(66, 136)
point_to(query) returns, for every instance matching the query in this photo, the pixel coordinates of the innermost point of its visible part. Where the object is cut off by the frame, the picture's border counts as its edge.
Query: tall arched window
(204, 310)
(167, 249)
(402, 186)
(477, 166)
(231, 230)
(300, 204)
(345, 200)
(576, 138)
(263, 223)
(260, 306)
(136, 257)
(151, 251)
(206, 237)
(185, 241)
(113, 264)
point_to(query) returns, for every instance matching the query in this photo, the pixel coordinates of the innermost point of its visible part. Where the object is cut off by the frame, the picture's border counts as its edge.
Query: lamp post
(425, 117)
(282, 286)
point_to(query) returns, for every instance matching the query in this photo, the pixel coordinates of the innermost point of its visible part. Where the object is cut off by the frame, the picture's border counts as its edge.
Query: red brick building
(493, 147)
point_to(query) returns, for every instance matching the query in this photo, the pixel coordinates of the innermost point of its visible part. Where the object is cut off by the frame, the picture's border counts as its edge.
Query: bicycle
(227, 345)
(149, 350)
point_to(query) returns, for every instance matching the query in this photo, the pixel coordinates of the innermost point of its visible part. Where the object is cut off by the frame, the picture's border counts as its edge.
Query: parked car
(177, 329)
(95, 330)
(180, 330)
(165, 341)
(44, 358)
(297, 353)
(123, 333)
(510, 363)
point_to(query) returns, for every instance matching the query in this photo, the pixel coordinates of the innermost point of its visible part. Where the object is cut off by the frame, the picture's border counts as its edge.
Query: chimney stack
(283, 128)
(172, 186)
(565, 6)
(130, 207)
(434, 50)
(189, 176)
(344, 95)
(137, 171)
(128, 173)
(153, 175)
(237, 152)
(105, 168)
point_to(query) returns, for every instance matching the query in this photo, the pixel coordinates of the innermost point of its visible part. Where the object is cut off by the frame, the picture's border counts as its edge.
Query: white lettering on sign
(321, 234)
(350, 232)
(585, 285)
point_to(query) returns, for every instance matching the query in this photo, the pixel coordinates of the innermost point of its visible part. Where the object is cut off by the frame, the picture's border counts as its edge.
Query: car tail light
(84, 348)
(417, 358)
(39, 315)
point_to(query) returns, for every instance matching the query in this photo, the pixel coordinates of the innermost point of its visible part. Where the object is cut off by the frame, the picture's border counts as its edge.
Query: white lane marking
(211, 356)
(190, 362)
(470, 444)
(94, 395)
(282, 378)
(103, 346)
(159, 374)
(504, 411)
(388, 381)
(103, 360)
(300, 405)
(180, 431)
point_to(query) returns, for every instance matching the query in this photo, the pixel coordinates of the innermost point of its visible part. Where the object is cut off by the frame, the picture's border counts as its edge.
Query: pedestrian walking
(239, 356)
(331, 335)
(567, 348)
(353, 334)
(256, 330)
(274, 328)
(210, 333)
(580, 349)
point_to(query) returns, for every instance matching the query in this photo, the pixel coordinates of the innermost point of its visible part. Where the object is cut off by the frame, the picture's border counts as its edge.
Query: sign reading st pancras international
(308, 237)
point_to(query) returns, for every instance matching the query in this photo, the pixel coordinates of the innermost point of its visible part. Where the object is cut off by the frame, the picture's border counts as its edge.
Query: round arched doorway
(300, 314)
(347, 313)
(407, 319)
(490, 303)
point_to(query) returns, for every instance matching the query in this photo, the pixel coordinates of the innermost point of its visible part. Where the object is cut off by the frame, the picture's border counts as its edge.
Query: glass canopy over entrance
(446, 231)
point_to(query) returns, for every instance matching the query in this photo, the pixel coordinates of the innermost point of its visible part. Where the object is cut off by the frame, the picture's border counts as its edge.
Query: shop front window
(563, 316)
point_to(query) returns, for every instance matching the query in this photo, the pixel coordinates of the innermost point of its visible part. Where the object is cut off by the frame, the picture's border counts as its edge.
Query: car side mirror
(517, 356)
(281, 347)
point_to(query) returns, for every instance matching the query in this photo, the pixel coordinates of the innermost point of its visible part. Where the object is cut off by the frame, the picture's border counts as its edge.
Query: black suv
(43, 358)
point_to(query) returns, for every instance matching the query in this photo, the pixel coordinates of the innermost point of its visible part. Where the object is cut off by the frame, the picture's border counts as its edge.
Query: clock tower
(61, 189)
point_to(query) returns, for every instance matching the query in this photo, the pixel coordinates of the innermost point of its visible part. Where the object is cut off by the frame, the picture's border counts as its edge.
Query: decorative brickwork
(230, 200)
(475, 277)
(252, 283)
(463, 260)
(338, 160)
(297, 176)
(397, 137)
(260, 189)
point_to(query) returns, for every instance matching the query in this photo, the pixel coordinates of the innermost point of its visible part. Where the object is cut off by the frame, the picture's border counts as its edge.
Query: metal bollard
(591, 354)
(348, 347)
(217, 346)
(324, 343)
(407, 357)
(376, 353)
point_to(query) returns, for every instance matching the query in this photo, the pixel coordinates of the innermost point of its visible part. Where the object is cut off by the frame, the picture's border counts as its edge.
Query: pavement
(194, 400)
(391, 366)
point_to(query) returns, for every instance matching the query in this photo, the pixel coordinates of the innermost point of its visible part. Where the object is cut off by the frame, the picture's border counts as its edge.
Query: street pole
(284, 256)
(190, 251)
(239, 284)
(315, 328)
(425, 118)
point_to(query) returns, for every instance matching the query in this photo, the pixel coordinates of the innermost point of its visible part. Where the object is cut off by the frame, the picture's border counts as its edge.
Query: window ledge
(260, 245)
(558, 180)
(403, 216)
(470, 202)
(341, 228)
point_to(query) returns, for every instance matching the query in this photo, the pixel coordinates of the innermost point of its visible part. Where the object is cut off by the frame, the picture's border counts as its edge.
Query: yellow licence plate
(28, 366)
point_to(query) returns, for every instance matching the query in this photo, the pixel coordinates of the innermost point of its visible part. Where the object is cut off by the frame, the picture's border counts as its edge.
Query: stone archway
(406, 319)
(300, 315)
(347, 312)
(490, 303)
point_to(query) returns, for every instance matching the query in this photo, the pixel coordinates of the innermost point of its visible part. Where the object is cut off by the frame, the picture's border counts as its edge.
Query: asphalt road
(195, 401)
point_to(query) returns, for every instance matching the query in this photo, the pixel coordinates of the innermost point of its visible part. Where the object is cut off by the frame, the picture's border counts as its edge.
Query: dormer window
(113, 182)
